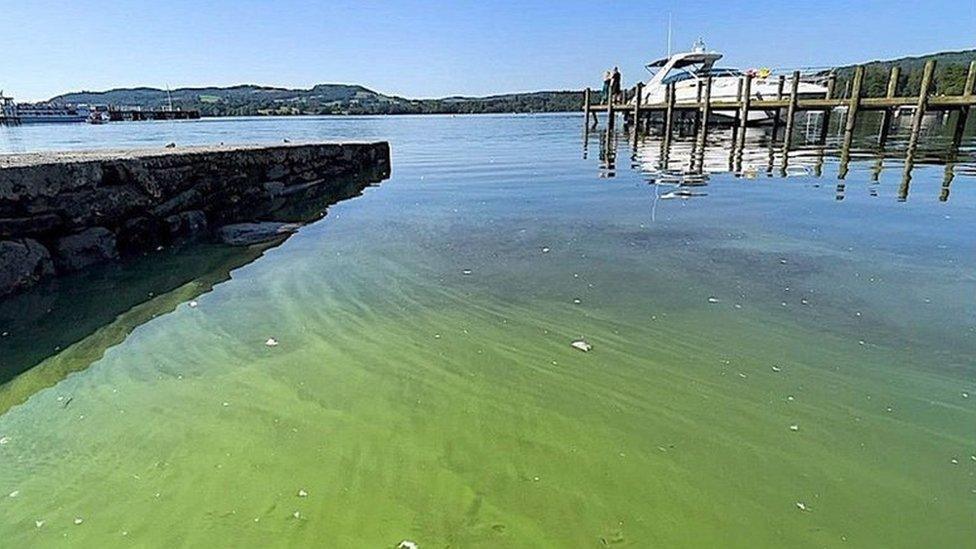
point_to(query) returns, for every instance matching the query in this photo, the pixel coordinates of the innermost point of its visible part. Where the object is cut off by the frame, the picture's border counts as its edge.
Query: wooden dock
(638, 115)
(129, 115)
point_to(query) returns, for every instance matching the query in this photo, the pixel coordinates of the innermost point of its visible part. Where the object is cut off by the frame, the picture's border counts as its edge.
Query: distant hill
(247, 100)
(950, 73)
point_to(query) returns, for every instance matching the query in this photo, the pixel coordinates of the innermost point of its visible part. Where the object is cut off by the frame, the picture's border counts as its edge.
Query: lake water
(776, 361)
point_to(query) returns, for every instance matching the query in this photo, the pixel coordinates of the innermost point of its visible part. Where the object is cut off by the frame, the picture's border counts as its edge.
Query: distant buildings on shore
(13, 113)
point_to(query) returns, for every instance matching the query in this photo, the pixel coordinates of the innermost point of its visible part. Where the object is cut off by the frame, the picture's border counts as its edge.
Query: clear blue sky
(428, 49)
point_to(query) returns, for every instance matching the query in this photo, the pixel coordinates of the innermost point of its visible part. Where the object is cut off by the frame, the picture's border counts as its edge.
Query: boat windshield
(677, 76)
(720, 72)
(695, 72)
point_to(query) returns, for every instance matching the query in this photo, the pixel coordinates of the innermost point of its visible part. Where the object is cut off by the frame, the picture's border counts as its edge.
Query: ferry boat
(47, 113)
(687, 69)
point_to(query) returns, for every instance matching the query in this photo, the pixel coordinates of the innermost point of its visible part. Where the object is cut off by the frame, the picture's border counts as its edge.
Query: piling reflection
(608, 153)
(819, 142)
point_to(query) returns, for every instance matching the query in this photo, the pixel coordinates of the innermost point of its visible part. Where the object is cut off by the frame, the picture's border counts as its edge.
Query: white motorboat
(688, 70)
(98, 117)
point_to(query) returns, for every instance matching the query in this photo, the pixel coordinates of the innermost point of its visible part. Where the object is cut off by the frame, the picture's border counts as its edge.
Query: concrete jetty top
(16, 160)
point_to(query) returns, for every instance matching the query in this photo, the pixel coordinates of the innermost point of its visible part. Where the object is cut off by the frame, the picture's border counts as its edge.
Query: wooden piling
(852, 107)
(735, 116)
(586, 107)
(734, 138)
(790, 115)
(963, 115)
(743, 117)
(970, 80)
(610, 114)
(780, 83)
(668, 123)
(887, 114)
(952, 156)
(825, 126)
(920, 106)
(637, 105)
(696, 122)
(703, 129)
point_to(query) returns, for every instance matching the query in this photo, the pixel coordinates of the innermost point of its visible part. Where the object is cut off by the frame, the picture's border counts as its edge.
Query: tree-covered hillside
(950, 74)
(321, 99)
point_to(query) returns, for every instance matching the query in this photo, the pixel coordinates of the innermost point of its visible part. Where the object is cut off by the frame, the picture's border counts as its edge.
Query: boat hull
(53, 119)
(727, 89)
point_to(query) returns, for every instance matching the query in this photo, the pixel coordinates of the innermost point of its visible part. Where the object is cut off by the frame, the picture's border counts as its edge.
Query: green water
(424, 386)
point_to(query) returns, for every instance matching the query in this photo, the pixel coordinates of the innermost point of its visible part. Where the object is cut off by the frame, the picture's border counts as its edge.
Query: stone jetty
(66, 211)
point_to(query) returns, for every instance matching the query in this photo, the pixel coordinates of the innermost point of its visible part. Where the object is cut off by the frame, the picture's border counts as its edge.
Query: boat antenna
(669, 34)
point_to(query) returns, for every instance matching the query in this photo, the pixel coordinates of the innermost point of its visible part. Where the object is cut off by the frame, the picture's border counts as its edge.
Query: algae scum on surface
(764, 366)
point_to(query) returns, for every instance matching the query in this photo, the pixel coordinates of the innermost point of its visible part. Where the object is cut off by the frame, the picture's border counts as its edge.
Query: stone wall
(61, 212)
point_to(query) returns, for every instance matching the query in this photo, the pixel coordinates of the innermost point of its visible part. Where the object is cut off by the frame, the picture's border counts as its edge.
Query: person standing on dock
(615, 84)
(605, 94)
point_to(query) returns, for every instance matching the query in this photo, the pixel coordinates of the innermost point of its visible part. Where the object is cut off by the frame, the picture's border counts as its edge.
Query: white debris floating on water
(794, 427)
(582, 345)
(193, 304)
(407, 544)
(802, 506)
(271, 342)
(79, 520)
(302, 494)
(713, 299)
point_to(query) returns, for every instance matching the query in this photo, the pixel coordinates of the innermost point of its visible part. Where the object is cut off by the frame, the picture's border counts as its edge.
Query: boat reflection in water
(684, 166)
